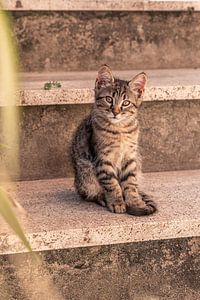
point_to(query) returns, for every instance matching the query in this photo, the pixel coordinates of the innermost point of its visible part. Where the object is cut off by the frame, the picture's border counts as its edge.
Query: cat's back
(84, 127)
(81, 137)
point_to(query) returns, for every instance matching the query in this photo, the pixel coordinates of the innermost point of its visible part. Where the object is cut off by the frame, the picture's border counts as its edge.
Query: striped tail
(149, 209)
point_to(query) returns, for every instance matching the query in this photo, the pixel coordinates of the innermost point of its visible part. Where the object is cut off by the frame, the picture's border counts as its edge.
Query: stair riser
(74, 41)
(165, 269)
(169, 139)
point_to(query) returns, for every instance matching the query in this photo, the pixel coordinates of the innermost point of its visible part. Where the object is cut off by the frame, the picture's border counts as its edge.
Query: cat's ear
(137, 86)
(104, 77)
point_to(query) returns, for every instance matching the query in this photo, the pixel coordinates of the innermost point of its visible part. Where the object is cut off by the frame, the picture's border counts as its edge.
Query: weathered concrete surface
(170, 137)
(71, 41)
(153, 270)
(81, 5)
(78, 87)
(57, 219)
(86, 79)
(170, 130)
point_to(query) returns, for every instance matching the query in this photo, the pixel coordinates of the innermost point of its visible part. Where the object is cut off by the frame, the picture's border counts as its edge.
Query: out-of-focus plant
(9, 216)
(9, 120)
(52, 85)
(2, 146)
(41, 284)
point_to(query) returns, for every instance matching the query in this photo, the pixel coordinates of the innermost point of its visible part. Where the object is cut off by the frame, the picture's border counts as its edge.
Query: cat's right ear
(137, 86)
(104, 77)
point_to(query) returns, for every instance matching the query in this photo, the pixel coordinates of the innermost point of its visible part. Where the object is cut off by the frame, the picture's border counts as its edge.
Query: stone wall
(158, 270)
(169, 139)
(71, 41)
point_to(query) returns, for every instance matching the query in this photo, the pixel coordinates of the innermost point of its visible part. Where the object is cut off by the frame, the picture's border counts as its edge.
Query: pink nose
(116, 110)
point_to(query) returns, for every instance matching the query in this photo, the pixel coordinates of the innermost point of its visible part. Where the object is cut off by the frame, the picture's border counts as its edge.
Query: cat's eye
(109, 99)
(126, 103)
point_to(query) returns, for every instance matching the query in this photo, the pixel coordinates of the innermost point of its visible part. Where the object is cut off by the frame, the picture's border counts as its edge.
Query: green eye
(109, 99)
(126, 103)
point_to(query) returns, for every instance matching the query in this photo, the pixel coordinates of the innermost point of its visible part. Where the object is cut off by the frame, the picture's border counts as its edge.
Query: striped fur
(105, 147)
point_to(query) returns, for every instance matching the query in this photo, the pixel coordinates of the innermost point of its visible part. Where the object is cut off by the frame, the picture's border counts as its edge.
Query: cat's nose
(116, 110)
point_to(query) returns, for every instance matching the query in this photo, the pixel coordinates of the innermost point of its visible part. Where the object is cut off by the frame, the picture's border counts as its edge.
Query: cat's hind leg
(86, 182)
(137, 203)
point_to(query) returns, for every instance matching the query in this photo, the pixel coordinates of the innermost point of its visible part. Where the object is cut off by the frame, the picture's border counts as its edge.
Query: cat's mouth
(116, 119)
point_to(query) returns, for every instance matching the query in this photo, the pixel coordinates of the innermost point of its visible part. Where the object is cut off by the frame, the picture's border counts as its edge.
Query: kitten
(104, 148)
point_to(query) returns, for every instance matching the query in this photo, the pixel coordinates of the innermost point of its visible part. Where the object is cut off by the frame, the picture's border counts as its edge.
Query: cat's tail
(149, 209)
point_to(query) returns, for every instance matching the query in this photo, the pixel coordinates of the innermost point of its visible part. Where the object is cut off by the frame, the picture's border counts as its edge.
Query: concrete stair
(82, 35)
(169, 121)
(57, 219)
(89, 253)
(78, 87)
(105, 5)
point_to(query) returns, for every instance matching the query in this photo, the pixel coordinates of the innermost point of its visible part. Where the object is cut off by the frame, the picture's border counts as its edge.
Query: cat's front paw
(117, 206)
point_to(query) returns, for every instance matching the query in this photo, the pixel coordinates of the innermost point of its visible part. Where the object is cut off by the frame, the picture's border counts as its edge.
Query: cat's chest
(121, 148)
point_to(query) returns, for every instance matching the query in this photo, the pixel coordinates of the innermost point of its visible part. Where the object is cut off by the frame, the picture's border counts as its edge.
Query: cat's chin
(115, 120)
(118, 119)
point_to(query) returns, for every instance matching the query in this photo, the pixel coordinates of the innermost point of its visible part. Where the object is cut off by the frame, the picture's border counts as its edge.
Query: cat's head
(118, 99)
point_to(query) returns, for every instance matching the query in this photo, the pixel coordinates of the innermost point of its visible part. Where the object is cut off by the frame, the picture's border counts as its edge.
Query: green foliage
(9, 119)
(3, 146)
(52, 85)
(9, 216)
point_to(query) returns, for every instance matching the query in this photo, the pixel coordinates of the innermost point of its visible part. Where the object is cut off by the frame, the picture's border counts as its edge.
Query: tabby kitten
(104, 148)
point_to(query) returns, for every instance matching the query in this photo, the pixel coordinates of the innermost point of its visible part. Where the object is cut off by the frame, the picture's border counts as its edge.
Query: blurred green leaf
(10, 217)
(3, 146)
(9, 68)
(52, 85)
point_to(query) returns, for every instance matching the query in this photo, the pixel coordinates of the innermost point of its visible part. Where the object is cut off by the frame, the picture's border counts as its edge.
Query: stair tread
(78, 87)
(80, 79)
(128, 5)
(56, 218)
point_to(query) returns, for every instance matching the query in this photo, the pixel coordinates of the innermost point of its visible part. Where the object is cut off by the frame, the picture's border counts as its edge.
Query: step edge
(103, 235)
(114, 5)
(86, 95)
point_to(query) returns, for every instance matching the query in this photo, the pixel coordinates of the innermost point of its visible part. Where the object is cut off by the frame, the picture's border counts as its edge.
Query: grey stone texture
(159, 270)
(56, 217)
(78, 87)
(71, 41)
(170, 137)
(125, 5)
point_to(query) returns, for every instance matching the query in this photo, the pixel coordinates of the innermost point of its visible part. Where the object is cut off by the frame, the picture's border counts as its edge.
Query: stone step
(170, 134)
(83, 40)
(89, 253)
(57, 219)
(78, 87)
(103, 5)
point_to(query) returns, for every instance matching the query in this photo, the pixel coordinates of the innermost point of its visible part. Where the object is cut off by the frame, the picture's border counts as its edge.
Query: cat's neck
(123, 126)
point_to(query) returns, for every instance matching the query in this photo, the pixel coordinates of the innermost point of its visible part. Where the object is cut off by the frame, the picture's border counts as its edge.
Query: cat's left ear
(104, 78)
(137, 86)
